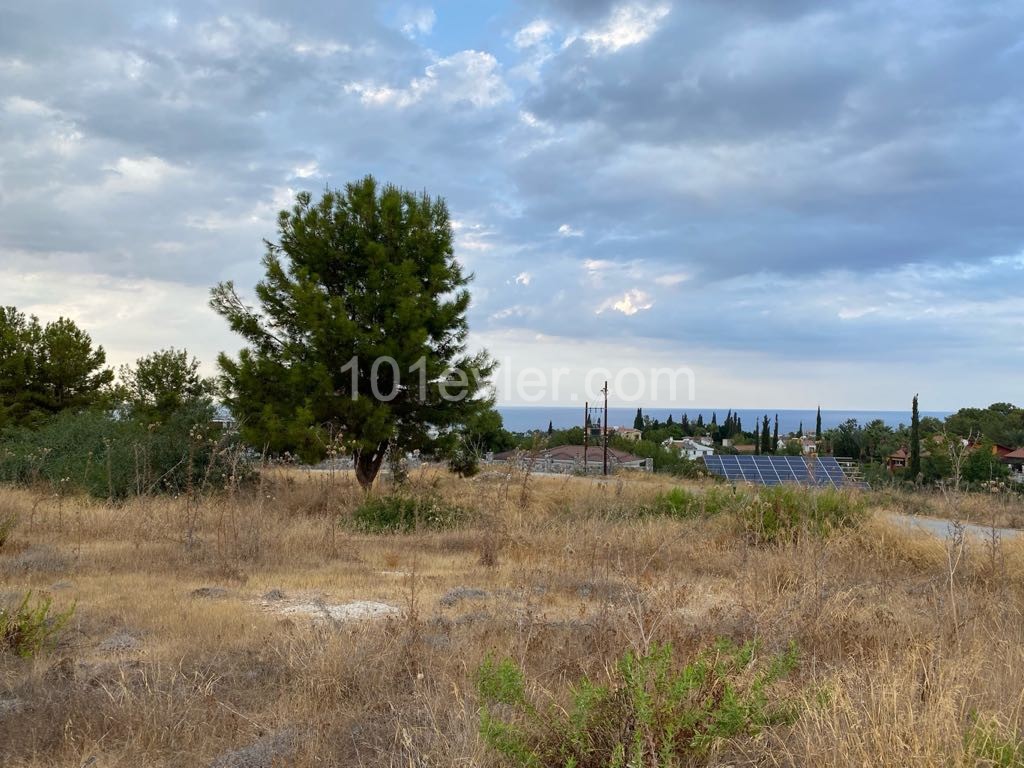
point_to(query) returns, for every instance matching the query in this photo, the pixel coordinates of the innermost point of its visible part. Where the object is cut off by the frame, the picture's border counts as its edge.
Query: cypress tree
(669, 422)
(817, 426)
(700, 421)
(551, 428)
(757, 438)
(800, 432)
(915, 442)
(775, 435)
(766, 436)
(739, 426)
(685, 423)
(638, 422)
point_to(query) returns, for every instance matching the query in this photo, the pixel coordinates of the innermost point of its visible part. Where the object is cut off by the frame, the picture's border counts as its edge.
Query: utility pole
(605, 392)
(586, 434)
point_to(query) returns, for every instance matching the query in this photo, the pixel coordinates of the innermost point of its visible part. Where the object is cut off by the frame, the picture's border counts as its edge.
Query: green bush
(683, 503)
(784, 512)
(651, 713)
(26, 630)
(989, 743)
(405, 512)
(112, 457)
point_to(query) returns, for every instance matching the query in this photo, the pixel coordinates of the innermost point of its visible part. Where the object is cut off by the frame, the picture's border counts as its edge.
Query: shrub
(989, 743)
(650, 713)
(26, 630)
(784, 512)
(406, 512)
(112, 457)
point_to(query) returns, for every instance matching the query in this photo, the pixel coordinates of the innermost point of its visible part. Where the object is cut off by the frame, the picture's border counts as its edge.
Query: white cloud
(671, 280)
(417, 21)
(628, 24)
(523, 278)
(537, 31)
(306, 171)
(567, 230)
(465, 77)
(632, 301)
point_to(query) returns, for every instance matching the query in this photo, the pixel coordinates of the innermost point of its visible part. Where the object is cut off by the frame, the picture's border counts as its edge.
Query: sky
(796, 202)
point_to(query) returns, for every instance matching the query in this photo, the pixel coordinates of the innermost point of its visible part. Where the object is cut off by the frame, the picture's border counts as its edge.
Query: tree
(757, 438)
(914, 467)
(551, 427)
(47, 369)
(700, 421)
(800, 432)
(817, 425)
(638, 422)
(163, 382)
(360, 336)
(668, 421)
(766, 446)
(775, 435)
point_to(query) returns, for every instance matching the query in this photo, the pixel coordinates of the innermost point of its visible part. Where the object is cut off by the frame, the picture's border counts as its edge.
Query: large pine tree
(360, 335)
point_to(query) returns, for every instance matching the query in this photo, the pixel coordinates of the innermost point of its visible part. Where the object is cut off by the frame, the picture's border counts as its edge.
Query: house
(1001, 451)
(689, 448)
(1016, 461)
(628, 433)
(898, 460)
(569, 459)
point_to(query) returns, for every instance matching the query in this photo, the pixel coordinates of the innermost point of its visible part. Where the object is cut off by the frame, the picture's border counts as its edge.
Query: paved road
(940, 527)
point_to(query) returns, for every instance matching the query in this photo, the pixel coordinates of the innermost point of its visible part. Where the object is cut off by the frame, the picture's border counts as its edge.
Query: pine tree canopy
(359, 340)
(46, 369)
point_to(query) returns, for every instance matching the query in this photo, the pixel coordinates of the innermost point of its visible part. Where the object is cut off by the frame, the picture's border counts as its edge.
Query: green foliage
(987, 742)
(463, 459)
(914, 465)
(983, 466)
(682, 503)
(28, 629)
(846, 439)
(162, 383)
(403, 512)
(115, 458)
(784, 512)
(46, 369)
(999, 423)
(366, 274)
(651, 712)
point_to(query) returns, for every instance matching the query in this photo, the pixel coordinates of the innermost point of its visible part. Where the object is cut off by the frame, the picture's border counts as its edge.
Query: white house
(689, 448)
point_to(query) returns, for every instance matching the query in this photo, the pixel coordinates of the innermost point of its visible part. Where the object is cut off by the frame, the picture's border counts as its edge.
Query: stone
(273, 751)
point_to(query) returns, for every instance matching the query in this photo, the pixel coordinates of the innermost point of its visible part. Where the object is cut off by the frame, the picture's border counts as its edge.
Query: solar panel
(776, 470)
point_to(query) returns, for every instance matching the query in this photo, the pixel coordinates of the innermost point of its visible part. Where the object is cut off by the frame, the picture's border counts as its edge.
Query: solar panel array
(775, 470)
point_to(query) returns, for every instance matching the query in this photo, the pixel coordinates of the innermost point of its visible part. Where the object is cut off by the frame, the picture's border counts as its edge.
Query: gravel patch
(122, 642)
(320, 611)
(273, 751)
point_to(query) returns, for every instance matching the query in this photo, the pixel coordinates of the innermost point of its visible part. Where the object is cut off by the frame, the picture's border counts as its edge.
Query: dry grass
(904, 639)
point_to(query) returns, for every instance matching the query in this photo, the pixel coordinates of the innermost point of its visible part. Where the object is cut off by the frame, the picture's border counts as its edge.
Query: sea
(526, 418)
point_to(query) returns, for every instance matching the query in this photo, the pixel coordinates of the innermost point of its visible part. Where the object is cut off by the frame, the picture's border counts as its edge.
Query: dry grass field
(220, 631)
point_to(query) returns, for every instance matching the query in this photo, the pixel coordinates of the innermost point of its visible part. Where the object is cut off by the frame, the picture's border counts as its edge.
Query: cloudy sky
(801, 202)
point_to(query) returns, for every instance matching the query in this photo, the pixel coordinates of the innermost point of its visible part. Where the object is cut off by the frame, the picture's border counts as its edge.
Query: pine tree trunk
(368, 464)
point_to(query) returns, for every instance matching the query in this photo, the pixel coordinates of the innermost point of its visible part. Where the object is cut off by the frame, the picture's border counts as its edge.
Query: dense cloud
(790, 185)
